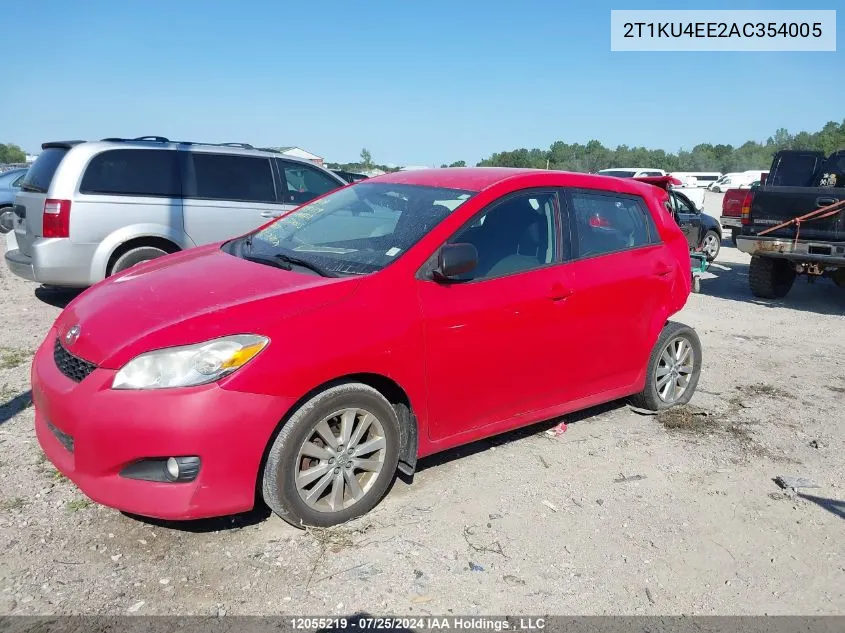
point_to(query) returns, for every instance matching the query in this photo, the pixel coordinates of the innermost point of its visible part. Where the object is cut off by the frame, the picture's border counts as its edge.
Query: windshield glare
(361, 228)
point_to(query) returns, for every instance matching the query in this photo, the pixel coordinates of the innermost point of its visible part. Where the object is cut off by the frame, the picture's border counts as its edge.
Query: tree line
(704, 157)
(11, 154)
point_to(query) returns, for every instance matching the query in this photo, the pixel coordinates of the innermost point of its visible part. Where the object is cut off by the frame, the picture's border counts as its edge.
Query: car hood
(188, 298)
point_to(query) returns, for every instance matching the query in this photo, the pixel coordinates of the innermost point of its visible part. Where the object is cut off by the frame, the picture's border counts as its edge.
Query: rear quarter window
(133, 172)
(41, 173)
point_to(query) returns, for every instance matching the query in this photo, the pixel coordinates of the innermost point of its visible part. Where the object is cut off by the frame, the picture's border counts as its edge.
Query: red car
(386, 321)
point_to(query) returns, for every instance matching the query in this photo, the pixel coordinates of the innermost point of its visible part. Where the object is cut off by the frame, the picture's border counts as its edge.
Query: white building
(298, 152)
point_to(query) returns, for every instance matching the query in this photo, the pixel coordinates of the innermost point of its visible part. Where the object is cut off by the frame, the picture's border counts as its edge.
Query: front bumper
(832, 253)
(111, 429)
(731, 221)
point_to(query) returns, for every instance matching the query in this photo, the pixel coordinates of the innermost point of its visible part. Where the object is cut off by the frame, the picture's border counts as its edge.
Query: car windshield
(355, 230)
(618, 173)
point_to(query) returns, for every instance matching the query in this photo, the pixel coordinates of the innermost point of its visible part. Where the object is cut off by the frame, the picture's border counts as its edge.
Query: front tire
(334, 459)
(770, 278)
(710, 245)
(673, 369)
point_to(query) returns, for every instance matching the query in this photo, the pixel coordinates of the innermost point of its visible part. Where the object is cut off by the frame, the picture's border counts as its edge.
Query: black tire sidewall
(136, 256)
(649, 396)
(278, 478)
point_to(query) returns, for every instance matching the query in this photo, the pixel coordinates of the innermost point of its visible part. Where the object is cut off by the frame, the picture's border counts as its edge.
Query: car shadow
(729, 280)
(56, 297)
(834, 506)
(11, 408)
(466, 450)
(203, 526)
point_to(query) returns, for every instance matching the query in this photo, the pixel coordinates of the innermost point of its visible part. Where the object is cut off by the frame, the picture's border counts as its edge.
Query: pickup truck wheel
(711, 245)
(770, 278)
(673, 369)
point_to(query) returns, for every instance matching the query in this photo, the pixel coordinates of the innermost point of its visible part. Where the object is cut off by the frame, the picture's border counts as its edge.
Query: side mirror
(7, 222)
(455, 259)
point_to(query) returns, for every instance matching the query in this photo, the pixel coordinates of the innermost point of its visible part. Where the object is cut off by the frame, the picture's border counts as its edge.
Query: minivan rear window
(133, 172)
(40, 174)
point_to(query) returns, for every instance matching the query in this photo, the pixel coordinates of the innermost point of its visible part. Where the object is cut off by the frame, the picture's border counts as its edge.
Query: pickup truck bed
(799, 183)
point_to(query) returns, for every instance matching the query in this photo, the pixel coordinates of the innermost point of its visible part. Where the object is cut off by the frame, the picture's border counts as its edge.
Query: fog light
(173, 468)
(165, 470)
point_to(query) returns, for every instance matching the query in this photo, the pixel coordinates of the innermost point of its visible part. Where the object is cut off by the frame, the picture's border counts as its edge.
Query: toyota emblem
(72, 335)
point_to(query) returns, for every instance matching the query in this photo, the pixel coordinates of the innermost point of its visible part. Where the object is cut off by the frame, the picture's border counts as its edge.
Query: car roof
(480, 178)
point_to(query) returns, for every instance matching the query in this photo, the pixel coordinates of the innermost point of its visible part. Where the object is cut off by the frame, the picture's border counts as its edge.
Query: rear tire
(734, 235)
(304, 471)
(673, 369)
(136, 256)
(770, 278)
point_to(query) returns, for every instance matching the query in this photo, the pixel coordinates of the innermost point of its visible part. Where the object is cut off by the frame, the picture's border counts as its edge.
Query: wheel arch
(393, 393)
(136, 235)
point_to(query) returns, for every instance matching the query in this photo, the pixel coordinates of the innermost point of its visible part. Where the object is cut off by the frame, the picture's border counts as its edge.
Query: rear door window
(133, 172)
(232, 177)
(304, 183)
(608, 223)
(40, 175)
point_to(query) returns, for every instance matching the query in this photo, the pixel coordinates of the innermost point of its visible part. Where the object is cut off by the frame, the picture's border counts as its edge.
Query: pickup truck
(732, 211)
(793, 225)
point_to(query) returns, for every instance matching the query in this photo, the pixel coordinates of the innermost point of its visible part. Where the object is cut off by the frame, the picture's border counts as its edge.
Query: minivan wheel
(673, 369)
(136, 256)
(334, 459)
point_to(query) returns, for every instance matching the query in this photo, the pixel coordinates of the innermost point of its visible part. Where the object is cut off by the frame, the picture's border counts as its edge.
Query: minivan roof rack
(163, 139)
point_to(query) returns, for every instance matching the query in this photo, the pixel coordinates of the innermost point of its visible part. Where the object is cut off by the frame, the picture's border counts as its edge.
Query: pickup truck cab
(794, 223)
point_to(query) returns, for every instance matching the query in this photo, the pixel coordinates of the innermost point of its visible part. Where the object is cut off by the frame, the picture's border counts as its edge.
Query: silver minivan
(87, 210)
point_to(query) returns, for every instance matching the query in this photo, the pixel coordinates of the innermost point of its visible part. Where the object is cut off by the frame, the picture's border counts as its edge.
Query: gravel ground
(622, 514)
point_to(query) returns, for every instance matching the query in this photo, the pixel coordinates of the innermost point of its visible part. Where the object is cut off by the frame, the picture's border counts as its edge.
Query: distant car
(632, 172)
(350, 176)
(88, 210)
(9, 186)
(305, 362)
(702, 231)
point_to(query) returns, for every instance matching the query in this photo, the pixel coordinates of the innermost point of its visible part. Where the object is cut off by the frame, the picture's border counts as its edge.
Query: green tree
(11, 154)
(366, 158)
(458, 163)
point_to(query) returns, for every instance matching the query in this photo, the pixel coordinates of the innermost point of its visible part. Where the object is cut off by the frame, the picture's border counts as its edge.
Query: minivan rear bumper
(20, 264)
(56, 262)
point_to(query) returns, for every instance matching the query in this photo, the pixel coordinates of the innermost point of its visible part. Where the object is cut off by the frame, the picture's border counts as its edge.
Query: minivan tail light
(746, 208)
(56, 218)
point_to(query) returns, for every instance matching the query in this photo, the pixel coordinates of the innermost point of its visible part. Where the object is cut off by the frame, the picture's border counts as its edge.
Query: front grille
(64, 438)
(74, 368)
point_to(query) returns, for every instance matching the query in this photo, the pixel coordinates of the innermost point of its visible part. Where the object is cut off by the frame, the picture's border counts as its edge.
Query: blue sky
(414, 82)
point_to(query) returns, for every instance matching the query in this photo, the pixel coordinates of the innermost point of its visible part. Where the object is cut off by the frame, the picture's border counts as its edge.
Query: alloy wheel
(674, 370)
(340, 460)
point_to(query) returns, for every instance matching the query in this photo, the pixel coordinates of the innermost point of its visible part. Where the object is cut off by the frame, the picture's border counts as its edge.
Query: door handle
(825, 202)
(559, 292)
(270, 214)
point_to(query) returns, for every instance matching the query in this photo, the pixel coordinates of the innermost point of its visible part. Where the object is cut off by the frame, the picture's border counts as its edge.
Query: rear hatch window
(40, 175)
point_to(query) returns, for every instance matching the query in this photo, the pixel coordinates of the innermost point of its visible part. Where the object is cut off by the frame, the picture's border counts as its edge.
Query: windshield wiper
(268, 261)
(296, 261)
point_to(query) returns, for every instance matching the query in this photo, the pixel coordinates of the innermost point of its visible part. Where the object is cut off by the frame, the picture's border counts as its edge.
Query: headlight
(189, 365)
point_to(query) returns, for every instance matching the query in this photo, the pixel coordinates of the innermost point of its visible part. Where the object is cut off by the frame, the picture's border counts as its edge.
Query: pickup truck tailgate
(773, 205)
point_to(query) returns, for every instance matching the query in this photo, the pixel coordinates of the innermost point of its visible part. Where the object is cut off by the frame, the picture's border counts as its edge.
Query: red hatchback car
(386, 321)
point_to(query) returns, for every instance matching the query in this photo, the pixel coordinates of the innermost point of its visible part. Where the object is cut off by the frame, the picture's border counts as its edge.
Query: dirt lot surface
(621, 514)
